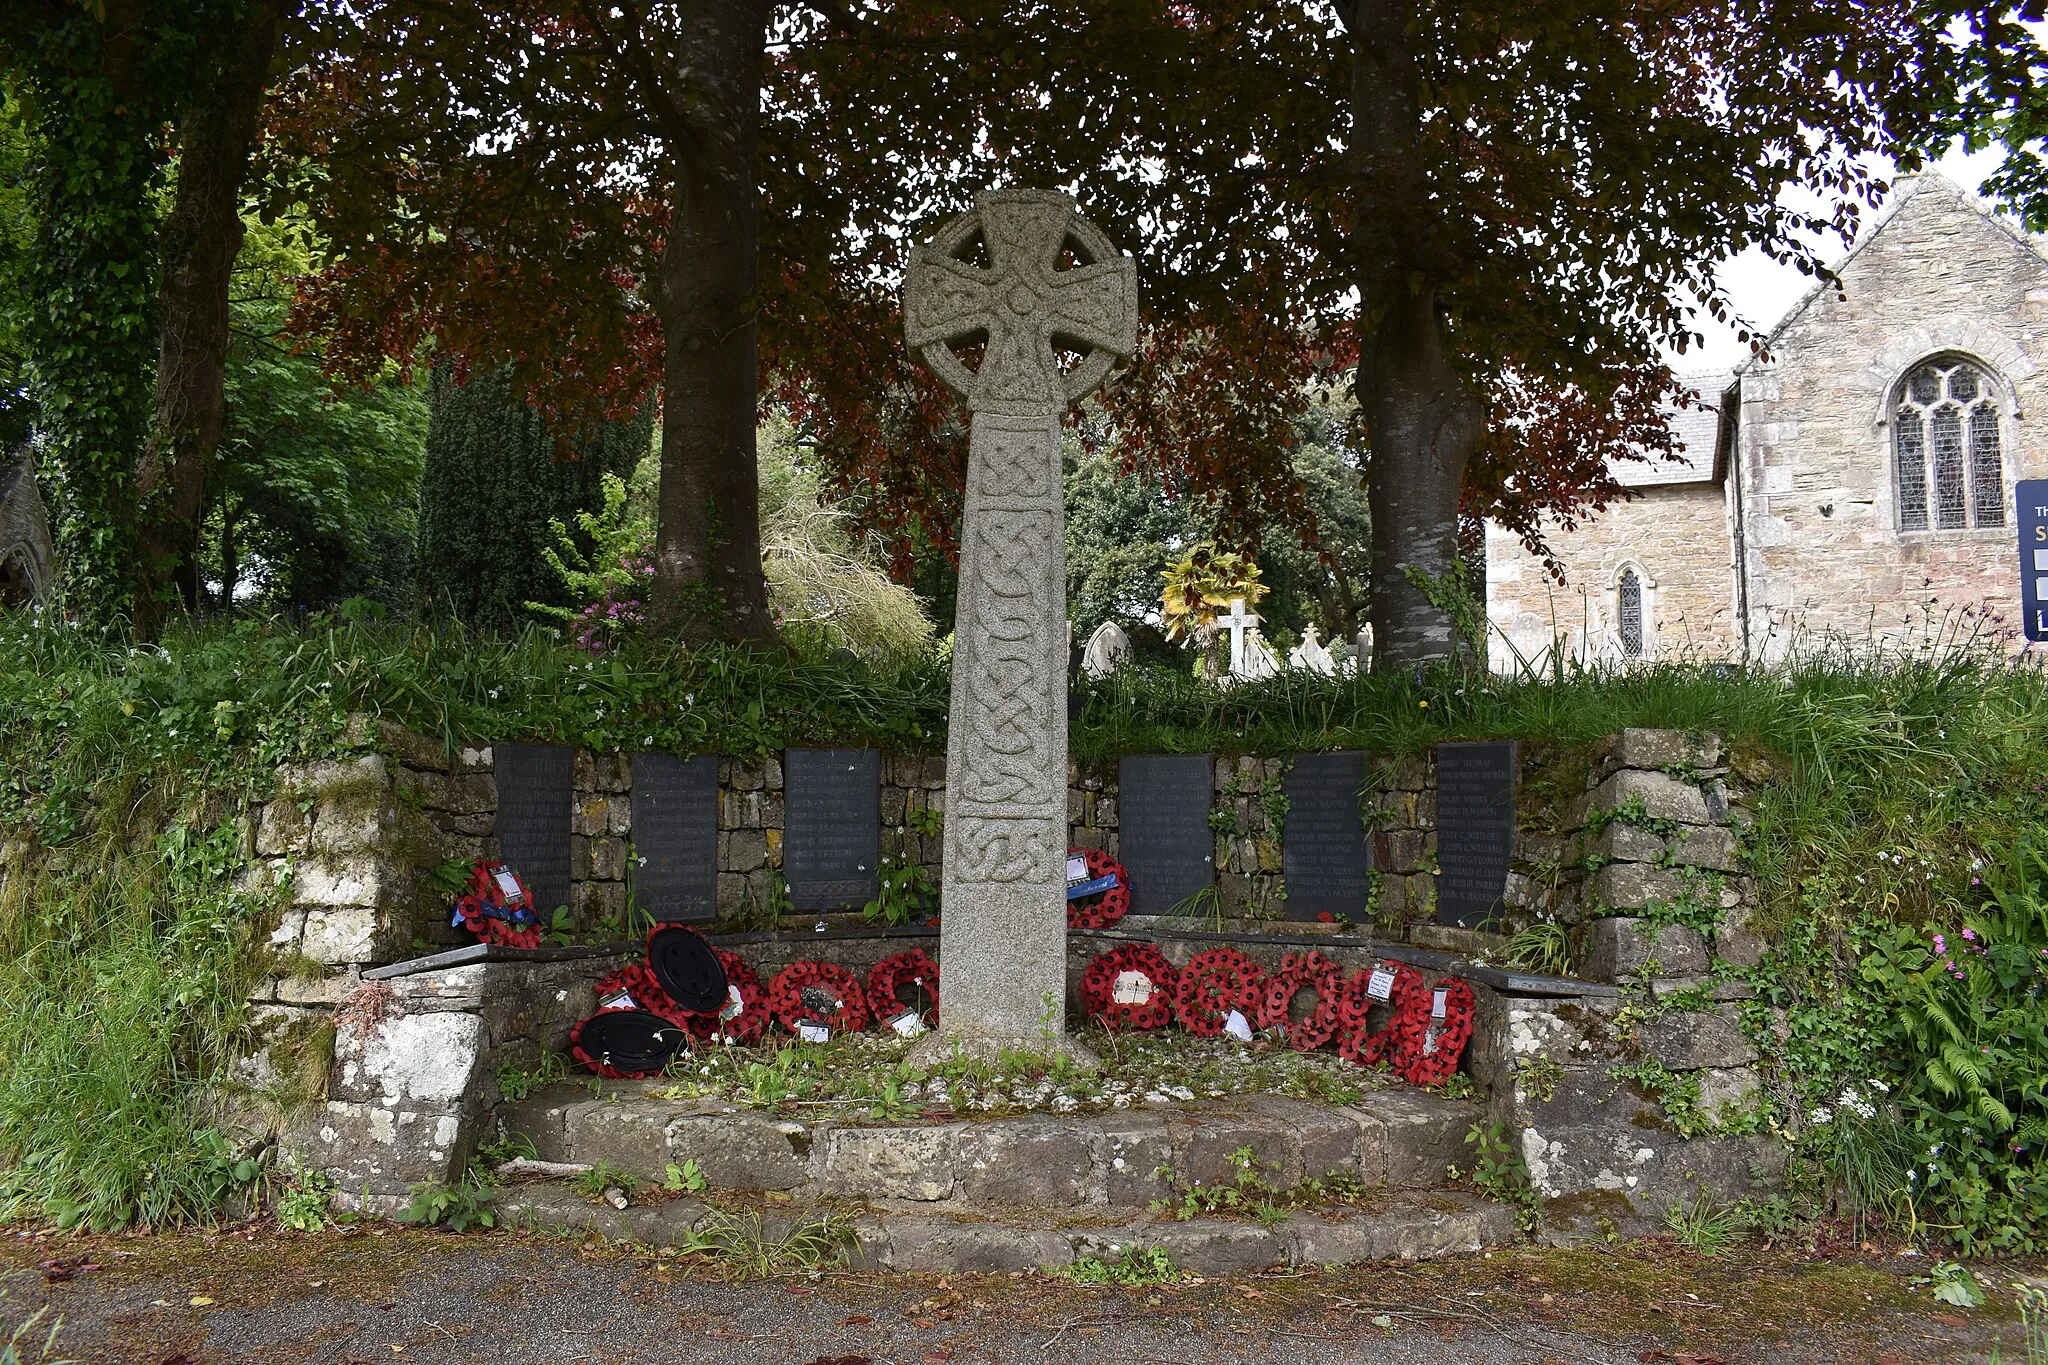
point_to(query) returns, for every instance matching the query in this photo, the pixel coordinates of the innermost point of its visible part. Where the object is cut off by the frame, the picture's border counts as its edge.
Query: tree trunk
(1423, 423)
(200, 240)
(707, 569)
(230, 569)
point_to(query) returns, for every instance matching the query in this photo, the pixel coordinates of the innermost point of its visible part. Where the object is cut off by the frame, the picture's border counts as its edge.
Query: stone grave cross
(1240, 623)
(1048, 282)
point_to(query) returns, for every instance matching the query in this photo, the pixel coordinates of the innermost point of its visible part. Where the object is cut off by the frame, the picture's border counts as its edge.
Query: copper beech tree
(1492, 218)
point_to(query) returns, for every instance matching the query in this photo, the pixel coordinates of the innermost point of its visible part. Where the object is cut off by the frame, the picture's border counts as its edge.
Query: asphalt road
(353, 1298)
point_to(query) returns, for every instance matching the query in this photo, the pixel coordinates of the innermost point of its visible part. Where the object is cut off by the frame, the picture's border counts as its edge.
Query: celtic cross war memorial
(1026, 275)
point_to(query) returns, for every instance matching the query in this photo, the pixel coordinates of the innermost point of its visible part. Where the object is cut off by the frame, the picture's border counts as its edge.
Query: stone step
(1410, 1227)
(1398, 1138)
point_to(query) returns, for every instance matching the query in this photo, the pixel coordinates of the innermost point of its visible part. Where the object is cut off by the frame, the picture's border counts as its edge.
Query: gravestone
(1325, 854)
(536, 802)
(832, 816)
(1050, 279)
(1109, 648)
(1475, 830)
(1164, 839)
(28, 557)
(675, 835)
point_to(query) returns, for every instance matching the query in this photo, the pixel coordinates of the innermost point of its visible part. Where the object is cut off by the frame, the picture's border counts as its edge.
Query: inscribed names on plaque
(832, 845)
(675, 835)
(535, 806)
(1163, 836)
(1475, 830)
(1325, 855)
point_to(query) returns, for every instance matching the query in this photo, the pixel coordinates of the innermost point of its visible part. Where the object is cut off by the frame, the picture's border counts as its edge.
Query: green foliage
(1499, 1173)
(304, 1207)
(827, 590)
(1967, 1039)
(601, 1177)
(1705, 1227)
(28, 1344)
(1545, 948)
(745, 1249)
(1136, 1268)
(904, 894)
(17, 232)
(123, 986)
(498, 483)
(686, 1178)
(1538, 1077)
(1249, 1189)
(1953, 1285)
(2032, 1302)
(467, 1205)
(1124, 528)
(516, 1083)
(313, 497)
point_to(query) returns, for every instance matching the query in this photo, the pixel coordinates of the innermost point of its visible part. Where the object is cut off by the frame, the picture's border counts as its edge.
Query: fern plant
(1970, 1025)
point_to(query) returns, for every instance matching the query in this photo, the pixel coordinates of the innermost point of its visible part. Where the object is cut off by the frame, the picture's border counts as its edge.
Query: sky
(1765, 291)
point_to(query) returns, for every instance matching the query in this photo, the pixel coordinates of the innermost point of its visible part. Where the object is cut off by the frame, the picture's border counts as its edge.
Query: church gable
(1880, 440)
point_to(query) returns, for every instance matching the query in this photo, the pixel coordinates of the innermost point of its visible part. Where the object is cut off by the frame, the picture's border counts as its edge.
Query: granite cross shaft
(1051, 283)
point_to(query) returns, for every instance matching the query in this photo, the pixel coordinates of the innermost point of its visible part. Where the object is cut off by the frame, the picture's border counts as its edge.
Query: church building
(1856, 486)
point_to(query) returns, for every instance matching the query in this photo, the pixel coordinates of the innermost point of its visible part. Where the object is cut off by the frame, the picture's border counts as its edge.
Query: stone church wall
(1825, 554)
(1676, 537)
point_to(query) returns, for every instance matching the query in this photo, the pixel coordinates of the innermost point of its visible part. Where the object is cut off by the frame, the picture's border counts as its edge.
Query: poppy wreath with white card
(905, 983)
(1102, 908)
(1430, 1029)
(1213, 986)
(809, 997)
(633, 987)
(1310, 971)
(498, 907)
(744, 1016)
(1130, 987)
(1385, 983)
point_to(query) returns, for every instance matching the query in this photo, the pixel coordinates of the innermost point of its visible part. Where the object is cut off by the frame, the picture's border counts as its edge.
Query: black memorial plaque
(1163, 835)
(1475, 830)
(675, 835)
(832, 848)
(1324, 852)
(535, 806)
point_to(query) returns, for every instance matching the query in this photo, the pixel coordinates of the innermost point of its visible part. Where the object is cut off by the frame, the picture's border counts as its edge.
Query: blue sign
(2032, 496)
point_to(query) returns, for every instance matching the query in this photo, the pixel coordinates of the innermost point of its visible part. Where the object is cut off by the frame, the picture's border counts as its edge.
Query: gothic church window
(1628, 613)
(1948, 464)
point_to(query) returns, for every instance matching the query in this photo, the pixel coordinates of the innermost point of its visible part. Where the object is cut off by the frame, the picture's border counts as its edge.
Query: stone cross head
(1022, 302)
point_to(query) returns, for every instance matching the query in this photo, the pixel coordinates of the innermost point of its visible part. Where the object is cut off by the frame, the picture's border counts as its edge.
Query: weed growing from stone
(1499, 1173)
(458, 1208)
(1704, 1226)
(516, 1083)
(687, 1178)
(1249, 1192)
(303, 1207)
(746, 1246)
(1137, 1267)
(593, 1183)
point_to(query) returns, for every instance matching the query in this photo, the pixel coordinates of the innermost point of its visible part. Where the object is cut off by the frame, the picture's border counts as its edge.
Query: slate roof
(1698, 429)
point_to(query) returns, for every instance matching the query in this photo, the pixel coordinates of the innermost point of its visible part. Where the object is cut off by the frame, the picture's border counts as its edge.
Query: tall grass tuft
(124, 972)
